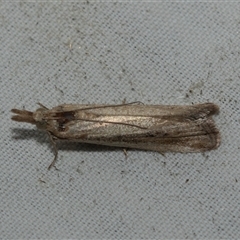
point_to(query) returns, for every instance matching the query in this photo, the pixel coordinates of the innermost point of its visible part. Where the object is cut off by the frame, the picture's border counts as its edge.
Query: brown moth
(161, 128)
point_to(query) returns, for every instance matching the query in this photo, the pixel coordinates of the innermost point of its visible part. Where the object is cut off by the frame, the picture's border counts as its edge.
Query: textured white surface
(157, 53)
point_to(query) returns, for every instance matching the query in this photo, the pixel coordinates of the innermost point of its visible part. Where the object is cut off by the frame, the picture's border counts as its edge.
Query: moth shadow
(42, 138)
(26, 134)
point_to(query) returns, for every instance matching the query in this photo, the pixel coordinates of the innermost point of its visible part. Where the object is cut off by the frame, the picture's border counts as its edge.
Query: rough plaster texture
(158, 53)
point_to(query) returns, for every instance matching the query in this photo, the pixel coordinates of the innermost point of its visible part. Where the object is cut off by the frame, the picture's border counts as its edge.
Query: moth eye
(42, 125)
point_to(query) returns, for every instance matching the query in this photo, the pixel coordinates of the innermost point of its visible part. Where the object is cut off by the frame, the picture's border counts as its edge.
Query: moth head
(39, 117)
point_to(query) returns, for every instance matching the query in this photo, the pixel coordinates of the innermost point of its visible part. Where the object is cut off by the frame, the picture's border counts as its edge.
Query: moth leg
(162, 153)
(52, 140)
(125, 152)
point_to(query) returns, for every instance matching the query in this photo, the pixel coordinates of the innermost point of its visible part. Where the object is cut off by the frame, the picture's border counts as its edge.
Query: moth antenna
(41, 105)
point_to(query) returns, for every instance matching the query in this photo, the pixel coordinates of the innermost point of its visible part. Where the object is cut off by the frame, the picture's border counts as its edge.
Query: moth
(161, 128)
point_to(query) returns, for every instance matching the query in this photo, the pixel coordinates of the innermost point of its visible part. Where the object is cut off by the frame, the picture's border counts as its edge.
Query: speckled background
(89, 52)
